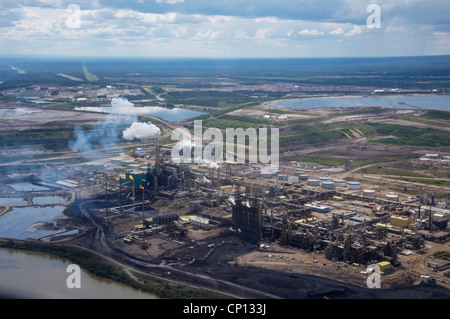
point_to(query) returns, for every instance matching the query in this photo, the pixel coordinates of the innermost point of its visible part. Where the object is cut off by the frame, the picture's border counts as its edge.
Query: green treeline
(100, 267)
(51, 139)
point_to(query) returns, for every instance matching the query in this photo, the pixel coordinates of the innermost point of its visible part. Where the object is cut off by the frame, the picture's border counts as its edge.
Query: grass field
(70, 77)
(89, 76)
(378, 170)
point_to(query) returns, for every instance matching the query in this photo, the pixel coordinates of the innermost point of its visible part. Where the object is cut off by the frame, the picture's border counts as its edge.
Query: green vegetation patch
(312, 136)
(208, 98)
(89, 76)
(445, 255)
(409, 135)
(338, 161)
(383, 159)
(330, 161)
(378, 170)
(234, 121)
(437, 182)
(438, 115)
(51, 139)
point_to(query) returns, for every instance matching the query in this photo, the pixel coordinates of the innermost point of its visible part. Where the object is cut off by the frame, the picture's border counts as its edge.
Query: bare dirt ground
(41, 118)
(300, 262)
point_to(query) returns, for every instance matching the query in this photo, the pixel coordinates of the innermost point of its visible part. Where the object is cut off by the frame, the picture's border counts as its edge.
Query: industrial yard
(191, 222)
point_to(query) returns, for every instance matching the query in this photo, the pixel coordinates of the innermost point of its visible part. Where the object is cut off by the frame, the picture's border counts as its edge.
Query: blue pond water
(12, 201)
(437, 102)
(21, 221)
(27, 187)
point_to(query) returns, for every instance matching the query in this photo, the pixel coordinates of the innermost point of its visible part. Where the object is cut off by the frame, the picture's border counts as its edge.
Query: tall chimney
(218, 187)
(157, 156)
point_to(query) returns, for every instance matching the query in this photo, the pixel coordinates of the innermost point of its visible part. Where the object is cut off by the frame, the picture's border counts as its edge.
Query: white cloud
(355, 31)
(307, 32)
(252, 29)
(170, 1)
(261, 33)
(337, 31)
(266, 20)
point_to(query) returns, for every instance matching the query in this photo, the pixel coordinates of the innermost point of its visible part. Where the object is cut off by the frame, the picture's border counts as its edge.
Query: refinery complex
(139, 207)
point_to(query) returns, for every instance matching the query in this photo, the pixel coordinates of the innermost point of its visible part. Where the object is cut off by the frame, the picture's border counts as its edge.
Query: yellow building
(385, 265)
(400, 221)
(226, 188)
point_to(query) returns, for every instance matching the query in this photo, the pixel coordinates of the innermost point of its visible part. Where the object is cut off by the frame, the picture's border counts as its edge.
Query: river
(34, 275)
(436, 102)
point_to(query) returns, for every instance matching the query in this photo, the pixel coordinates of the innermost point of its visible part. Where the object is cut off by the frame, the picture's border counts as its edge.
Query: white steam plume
(141, 131)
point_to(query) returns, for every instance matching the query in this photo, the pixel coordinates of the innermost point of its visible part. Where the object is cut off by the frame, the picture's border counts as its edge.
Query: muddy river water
(34, 275)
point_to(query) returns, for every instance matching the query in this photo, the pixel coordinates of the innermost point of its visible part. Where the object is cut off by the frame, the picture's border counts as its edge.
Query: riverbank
(102, 268)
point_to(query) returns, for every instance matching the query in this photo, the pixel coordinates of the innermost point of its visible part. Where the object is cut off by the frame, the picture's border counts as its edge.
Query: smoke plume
(106, 133)
(141, 131)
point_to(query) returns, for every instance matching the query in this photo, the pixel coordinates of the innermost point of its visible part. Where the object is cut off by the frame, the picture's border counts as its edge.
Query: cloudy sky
(225, 28)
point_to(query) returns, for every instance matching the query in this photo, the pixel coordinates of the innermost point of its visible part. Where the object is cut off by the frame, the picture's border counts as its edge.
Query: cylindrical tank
(298, 173)
(340, 182)
(354, 185)
(303, 177)
(324, 178)
(266, 175)
(134, 166)
(392, 197)
(327, 185)
(282, 177)
(256, 172)
(293, 179)
(313, 182)
(369, 193)
(127, 162)
(139, 151)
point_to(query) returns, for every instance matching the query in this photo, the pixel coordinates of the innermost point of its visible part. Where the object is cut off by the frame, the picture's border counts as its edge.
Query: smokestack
(218, 187)
(157, 156)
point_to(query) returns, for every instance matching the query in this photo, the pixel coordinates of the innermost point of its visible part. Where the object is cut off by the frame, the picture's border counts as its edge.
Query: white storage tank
(369, 193)
(392, 197)
(139, 151)
(354, 185)
(313, 182)
(340, 182)
(327, 185)
(293, 179)
(256, 172)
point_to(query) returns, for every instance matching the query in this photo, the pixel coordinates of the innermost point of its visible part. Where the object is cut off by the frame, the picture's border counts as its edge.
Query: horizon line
(213, 57)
